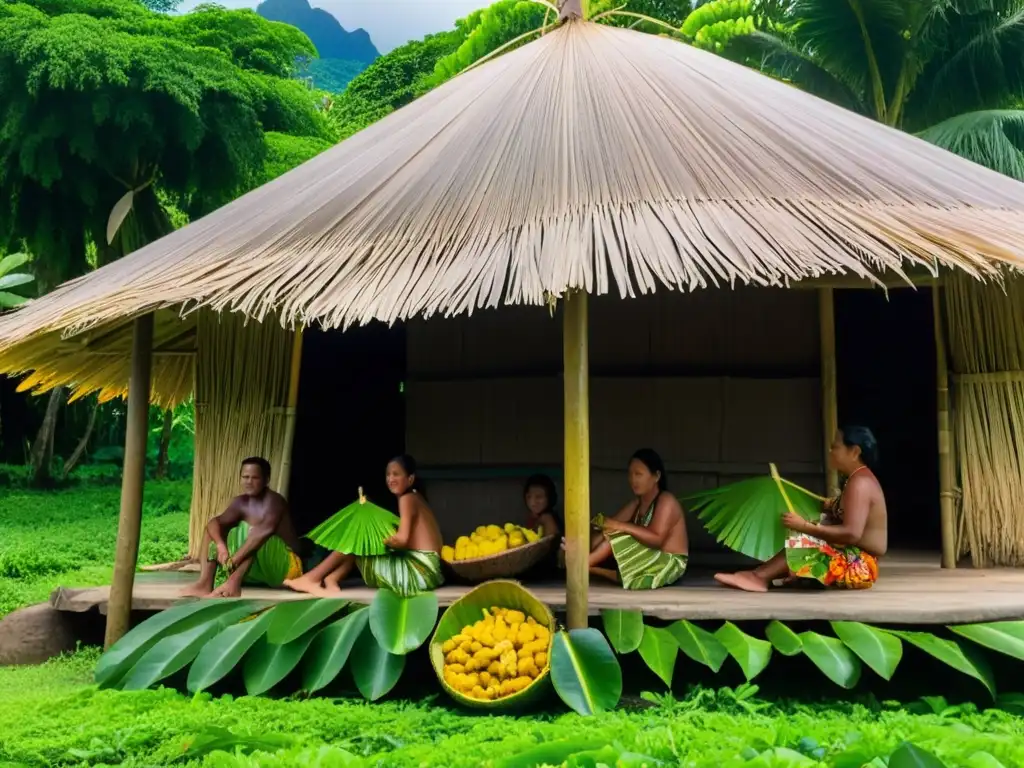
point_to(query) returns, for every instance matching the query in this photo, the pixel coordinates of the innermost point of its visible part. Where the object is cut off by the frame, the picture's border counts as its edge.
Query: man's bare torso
(254, 510)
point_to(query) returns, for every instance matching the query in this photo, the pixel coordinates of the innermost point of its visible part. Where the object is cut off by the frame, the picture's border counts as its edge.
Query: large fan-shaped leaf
(267, 664)
(1002, 636)
(330, 650)
(878, 649)
(119, 659)
(358, 529)
(834, 659)
(221, 654)
(402, 624)
(699, 644)
(290, 621)
(963, 658)
(585, 672)
(374, 669)
(783, 639)
(751, 653)
(624, 628)
(658, 649)
(746, 516)
(174, 652)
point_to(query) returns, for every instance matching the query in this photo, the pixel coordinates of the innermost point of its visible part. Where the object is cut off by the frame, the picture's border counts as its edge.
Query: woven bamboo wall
(986, 341)
(676, 373)
(242, 372)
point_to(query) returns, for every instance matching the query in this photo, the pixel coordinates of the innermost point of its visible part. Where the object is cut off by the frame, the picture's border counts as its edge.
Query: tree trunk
(165, 444)
(83, 444)
(42, 449)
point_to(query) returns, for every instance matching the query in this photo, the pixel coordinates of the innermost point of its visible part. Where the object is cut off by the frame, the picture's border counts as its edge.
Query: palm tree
(951, 71)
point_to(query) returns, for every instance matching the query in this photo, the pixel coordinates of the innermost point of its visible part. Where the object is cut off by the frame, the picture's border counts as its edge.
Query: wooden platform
(912, 590)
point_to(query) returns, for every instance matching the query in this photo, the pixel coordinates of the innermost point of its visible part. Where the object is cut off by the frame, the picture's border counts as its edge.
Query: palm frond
(745, 516)
(358, 529)
(784, 60)
(992, 137)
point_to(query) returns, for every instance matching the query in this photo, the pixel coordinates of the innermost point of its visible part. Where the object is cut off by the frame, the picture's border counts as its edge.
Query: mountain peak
(332, 40)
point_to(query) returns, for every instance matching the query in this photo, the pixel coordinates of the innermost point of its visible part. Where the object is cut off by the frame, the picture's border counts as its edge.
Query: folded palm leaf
(746, 516)
(358, 529)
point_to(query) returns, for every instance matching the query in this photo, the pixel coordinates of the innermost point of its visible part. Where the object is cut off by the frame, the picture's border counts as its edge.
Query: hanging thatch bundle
(595, 157)
(242, 373)
(986, 332)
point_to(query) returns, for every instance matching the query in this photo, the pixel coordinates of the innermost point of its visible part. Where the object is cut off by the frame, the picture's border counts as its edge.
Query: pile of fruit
(488, 540)
(500, 655)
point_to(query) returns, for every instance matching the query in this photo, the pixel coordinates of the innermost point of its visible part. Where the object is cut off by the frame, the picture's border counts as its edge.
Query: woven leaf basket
(504, 564)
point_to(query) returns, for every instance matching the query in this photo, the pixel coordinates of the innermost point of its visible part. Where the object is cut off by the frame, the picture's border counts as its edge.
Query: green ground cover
(67, 537)
(51, 715)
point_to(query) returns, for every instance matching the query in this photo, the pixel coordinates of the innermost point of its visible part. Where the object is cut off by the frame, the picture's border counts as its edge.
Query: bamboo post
(129, 525)
(946, 512)
(829, 392)
(285, 469)
(576, 382)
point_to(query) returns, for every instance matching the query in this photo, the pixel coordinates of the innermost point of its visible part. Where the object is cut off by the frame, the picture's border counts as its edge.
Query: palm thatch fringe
(986, 337)
(594, 157)
(100, 361)
(242, 373)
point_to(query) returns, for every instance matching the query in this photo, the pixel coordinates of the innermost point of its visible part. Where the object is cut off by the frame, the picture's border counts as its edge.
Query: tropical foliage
(841, 658)
(950, 70)
(10, 280)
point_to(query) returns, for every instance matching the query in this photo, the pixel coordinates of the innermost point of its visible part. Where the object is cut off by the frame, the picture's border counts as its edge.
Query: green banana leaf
(290, 621)
(359, 529)
(746, 516)
(221, 654)
(584, 671)
(699, 644)
(374, 670)
(119, 659)
(267, 664)
(659, 649)
(624, 628)
(331, 649)
(833, 658)
(402, 624)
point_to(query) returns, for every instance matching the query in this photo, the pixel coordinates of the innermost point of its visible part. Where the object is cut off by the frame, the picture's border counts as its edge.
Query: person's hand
(794, 522)
(223, 556)
(612, 525)
(563, 543)
(390, 541)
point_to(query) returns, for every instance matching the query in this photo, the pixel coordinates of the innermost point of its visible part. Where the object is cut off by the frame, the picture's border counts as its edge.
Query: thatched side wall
(986, 339)
(242, 372)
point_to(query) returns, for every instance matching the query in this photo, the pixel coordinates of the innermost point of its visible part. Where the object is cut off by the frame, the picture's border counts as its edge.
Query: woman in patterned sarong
(842, 550)
(647, 537)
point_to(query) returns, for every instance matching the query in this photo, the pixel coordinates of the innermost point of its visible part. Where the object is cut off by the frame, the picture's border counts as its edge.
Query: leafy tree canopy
(98, 97)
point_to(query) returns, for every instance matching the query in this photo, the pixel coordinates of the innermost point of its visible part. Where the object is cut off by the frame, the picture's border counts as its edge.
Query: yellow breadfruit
(542, 633)
(447, 647)
(492, 532)
(516, 540)
(515, 617)
(540, 659)
(531, 536)
(527, 666)
(447, 553)
(526, 634)
(462, 541)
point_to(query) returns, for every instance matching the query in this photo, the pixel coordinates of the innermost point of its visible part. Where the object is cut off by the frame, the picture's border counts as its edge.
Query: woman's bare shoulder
(669, 503)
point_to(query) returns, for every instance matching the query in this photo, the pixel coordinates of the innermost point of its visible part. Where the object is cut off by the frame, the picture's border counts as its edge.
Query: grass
(51, 715)
(67, 537)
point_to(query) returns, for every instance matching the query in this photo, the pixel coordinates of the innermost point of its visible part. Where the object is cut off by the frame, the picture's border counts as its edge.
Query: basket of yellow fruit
(491, 648)
(496, 552)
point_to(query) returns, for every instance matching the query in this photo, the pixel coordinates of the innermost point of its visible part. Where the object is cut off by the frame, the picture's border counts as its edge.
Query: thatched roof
(596, 158)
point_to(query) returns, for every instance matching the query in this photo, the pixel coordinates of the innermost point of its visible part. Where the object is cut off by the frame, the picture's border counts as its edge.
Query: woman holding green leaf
(647, 537)
(406, 560)
(841, 550)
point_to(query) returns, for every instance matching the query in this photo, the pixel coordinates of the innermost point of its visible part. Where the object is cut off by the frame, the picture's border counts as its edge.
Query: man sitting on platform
(843, 550)
(262, 551)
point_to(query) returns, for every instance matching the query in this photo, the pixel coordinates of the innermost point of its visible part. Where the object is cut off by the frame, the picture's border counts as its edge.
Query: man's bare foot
(605, 573)
(307, 585)
(748, 581)
(196, 590)
(227, 589)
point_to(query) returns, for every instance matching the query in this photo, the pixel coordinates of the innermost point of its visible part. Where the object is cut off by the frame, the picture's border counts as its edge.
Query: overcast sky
(389, 22)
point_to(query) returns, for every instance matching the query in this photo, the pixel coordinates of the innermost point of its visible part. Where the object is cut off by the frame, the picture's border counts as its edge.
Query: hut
(595, 161)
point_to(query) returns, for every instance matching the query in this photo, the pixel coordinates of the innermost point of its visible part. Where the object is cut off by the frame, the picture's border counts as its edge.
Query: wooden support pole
(129, 525)
(576, 381)
(829, 392)
(284, 469)
(946, 511)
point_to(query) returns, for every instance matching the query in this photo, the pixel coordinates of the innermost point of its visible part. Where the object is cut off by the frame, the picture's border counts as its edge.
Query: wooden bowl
(505, 564)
